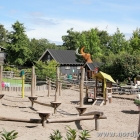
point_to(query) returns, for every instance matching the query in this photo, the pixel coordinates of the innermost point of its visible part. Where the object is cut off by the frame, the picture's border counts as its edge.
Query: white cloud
(55, 32)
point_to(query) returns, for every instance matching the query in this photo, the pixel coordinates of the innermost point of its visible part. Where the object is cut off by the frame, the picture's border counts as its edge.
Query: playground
(122, 115)
(37, 114)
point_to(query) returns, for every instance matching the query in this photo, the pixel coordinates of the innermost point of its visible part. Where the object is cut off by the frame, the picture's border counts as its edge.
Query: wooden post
(49, 87)
(1, 69)
(139, 126)
(96, 85)
(82, 86)
(110, 96)
(23, 81)
(57, 84)
(94, 93)
(86, 97)
(96, 122)
(35, 82)
(86, 91)
(32, 82)
(60, 87)
(105, 96)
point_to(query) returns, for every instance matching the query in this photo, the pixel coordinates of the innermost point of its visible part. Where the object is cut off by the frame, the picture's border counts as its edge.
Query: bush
(5, 135)
(137, 102)
(46, 69)
(70, 134)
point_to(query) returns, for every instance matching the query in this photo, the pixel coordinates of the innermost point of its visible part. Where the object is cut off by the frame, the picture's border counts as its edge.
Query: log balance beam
(87, 116)
(44, 104)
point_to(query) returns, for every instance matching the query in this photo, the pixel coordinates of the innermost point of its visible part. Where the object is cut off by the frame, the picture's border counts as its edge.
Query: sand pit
(122, 116)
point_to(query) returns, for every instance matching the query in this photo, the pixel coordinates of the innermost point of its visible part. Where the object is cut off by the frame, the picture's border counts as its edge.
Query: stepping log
(55, 105)
(44, 115)
(93, 113)
(20, 120)
(1, 96)
(32, 99)
(71, 119)
(44, 104)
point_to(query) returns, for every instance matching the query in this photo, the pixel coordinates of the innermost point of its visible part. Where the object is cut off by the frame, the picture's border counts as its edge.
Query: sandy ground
(122, 116)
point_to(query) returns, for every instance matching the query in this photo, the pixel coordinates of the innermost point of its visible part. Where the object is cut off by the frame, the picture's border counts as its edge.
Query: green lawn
(14, 82)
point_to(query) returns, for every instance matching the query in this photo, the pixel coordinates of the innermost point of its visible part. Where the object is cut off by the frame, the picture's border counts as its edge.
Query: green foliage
(120, 56)
(84, 135)
(89, 39)
(71, 40)
(56, 135)
(38, 47)
(3, 36)
(121, 66)
(13, 69)
(5, 135)
(117, 42)
(71, 133)
(137, 102)
(44, 69)
(18, 45)
(135, 41)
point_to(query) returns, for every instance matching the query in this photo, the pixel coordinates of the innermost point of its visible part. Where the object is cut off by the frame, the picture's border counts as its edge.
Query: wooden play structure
(44, 118)
(45, 114)
(33, 98)
(102, 91)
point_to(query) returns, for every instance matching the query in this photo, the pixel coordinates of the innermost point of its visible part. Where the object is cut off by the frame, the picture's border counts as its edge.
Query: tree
(104, 41)
(3, 36)
(70, 40)
(44, 69)
(135, 41)
(118, 42)
(17, 45)
(122, 66)
(38, 47)
(91, 41)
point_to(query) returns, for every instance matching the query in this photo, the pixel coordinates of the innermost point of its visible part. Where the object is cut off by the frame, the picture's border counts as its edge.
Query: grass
(14, 82)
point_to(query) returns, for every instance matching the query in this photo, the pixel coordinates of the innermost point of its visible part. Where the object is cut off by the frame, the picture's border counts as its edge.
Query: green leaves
(84, 135)
(70, 134)
(18, 45)
(56, 135)
(5, 135)
(137, 102)
(48, 69)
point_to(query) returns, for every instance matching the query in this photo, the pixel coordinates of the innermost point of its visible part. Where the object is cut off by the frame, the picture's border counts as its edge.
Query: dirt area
(122, 116)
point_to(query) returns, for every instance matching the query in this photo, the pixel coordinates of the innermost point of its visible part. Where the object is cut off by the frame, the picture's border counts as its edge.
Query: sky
(50, 19)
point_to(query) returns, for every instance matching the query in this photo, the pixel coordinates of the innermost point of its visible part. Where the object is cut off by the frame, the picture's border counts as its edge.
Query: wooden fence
(26, 89)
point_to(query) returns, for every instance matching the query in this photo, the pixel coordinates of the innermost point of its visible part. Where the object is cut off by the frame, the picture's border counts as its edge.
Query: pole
(57, 83)
(23, 78)
(82, 86)
(35, 81)
(32, 82)
(139, 126)
(1, 68)
(49, 87)
(60, 87)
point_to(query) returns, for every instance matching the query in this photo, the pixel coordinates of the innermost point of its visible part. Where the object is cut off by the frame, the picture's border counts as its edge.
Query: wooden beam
(93, 113)
(71, 119)
(49, 105)
(20, 120)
